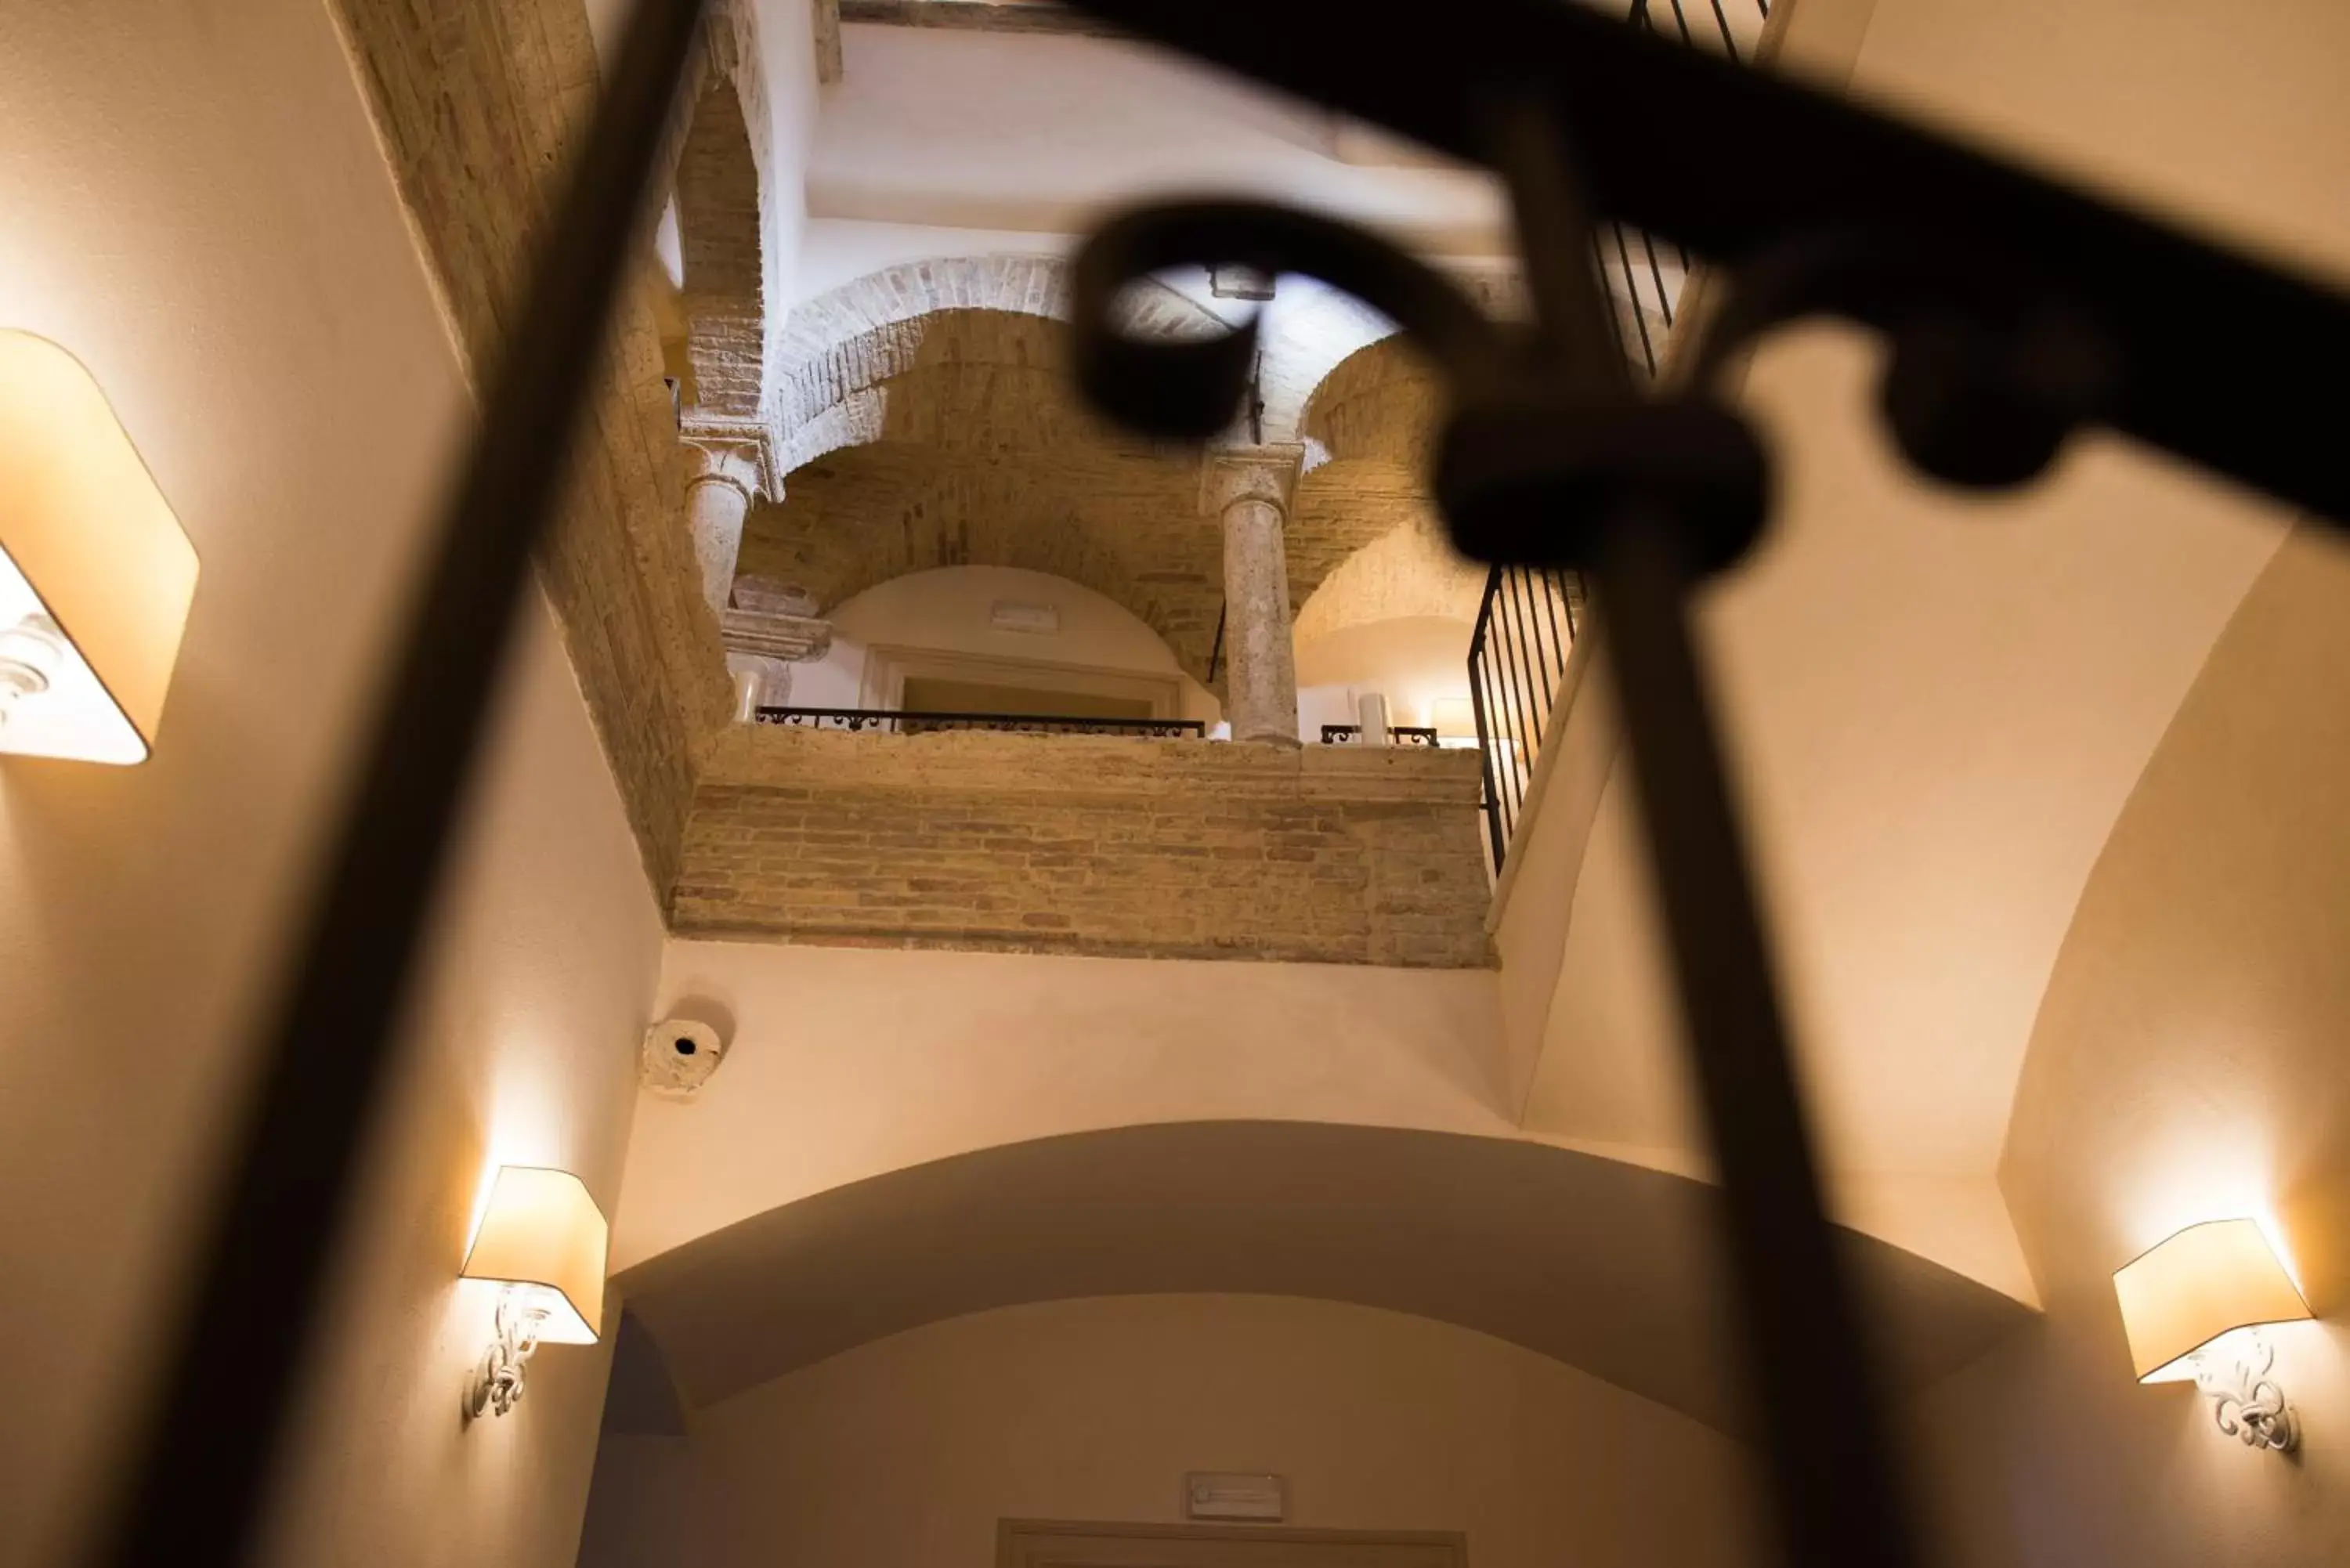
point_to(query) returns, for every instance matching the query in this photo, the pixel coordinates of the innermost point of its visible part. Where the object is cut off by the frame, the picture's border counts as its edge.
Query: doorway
(1044, 1543)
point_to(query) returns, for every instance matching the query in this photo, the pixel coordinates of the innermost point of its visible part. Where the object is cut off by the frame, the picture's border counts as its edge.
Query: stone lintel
(791, 637)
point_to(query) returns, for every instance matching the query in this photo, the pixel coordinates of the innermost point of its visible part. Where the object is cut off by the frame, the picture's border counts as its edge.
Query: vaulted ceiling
(954, 439)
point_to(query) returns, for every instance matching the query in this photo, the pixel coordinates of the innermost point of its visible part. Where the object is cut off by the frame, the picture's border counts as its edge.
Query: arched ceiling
(954, 439)
(974, 452)
(1605, 1266)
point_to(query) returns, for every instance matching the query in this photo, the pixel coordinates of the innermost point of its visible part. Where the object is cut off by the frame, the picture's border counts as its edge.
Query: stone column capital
(741, 456)
(1233, 474)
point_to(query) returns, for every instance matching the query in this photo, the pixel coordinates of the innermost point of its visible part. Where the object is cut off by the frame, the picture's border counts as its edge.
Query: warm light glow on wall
(96, 576)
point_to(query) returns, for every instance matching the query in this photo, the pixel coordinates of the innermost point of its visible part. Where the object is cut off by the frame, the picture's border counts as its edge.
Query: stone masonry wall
(478, 103)
(1089, 845)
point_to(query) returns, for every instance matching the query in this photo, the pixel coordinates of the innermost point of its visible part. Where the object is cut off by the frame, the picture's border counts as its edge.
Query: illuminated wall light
(542, 1239)
(2193, 1306)
(96, 576)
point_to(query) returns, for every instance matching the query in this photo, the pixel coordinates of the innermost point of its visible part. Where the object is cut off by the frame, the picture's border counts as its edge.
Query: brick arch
(1001, 370)
(1410, 571)
(1381, 403)
(1123, 523)
(1364, 518)
(840, 345)
(837, 347)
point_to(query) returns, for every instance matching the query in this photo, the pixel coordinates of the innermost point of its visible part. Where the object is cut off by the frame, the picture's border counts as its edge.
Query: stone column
(722, 477)
(1249, 491)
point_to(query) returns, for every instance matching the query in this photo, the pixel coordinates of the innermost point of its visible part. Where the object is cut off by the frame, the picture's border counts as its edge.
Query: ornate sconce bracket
(497, 1384)
(2246, 1402)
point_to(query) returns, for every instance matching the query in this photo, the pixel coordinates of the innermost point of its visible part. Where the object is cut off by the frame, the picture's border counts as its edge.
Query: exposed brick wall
(1084, 845)
(718, 230)
(477, 102)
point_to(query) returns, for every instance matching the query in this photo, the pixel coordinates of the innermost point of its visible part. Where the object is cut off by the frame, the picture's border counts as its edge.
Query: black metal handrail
(911, 721)
(1398, 735)
(1517, 666)
(1528, 617)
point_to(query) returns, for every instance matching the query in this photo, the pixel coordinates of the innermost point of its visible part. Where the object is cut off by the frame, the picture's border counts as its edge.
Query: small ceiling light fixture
(96, 575)
(542, 1239)
(2193, 1306)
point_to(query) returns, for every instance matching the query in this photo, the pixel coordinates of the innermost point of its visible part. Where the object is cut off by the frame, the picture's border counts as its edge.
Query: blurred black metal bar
(1740, 166)
(1836, 1491)
(196, 1493)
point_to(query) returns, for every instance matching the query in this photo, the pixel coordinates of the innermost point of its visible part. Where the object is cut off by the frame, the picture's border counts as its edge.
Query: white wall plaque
(1036, 620)
(1227, 1494)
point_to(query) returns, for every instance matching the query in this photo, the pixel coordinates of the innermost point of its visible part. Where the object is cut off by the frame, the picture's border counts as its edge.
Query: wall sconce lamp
(2192, 1307)
(96, 576)
(542, 1239)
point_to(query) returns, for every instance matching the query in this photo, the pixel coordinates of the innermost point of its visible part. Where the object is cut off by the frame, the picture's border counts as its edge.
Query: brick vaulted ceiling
(969, 447)
(977, 451)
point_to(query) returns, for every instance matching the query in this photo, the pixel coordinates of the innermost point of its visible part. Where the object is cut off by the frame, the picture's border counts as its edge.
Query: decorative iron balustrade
(1517, 667)
(907, 722)
(1398, 735)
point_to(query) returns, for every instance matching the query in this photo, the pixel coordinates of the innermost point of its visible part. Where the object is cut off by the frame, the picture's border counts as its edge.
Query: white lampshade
(543, 1229)
(96, 576)
(2206, 1281)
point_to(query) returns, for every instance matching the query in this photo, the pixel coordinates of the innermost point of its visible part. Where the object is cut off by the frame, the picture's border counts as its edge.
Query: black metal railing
(1517, 667)
(1398, 735)
(1527, 620)
(906, 721)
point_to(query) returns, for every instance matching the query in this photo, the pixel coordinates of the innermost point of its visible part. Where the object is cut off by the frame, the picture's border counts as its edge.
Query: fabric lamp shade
(543, 1229)
(2202, 1282)
(88, 542)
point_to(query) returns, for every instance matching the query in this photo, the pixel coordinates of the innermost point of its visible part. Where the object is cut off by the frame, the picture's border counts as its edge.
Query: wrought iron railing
(1517, 667)
(1398, 735)
(1527, 620)
(2036, 312)
(906, 721)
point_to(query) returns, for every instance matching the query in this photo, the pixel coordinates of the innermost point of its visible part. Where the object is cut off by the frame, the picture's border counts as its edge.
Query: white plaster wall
(2186, 1065)
(848, 1062)
(1939, 704)
(910, 1449)
(943, 127)
(949, 611)
(1418, 664)
(785, 33)
(198, 207)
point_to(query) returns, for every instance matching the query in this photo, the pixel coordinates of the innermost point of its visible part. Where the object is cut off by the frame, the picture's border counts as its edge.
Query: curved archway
(947, 624)
(1409, 573)
(1603, 1265)
(836, 345)
(976, 451)
(853, 337)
